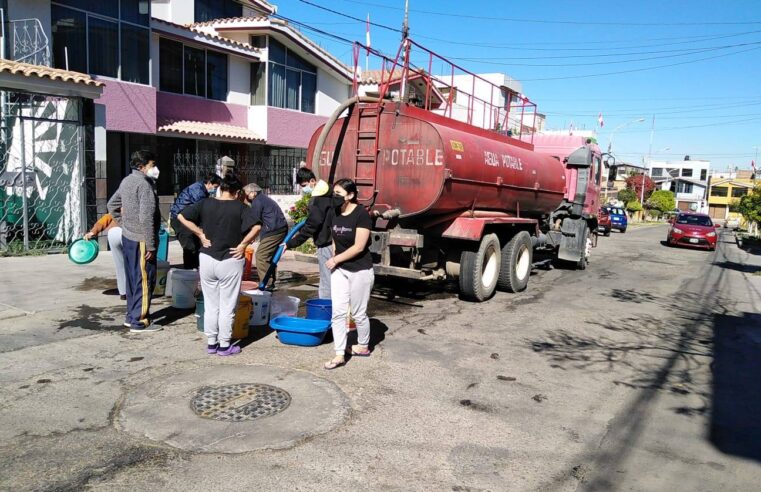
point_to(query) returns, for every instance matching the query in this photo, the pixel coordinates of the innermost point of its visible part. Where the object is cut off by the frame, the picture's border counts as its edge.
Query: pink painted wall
(289, 128)
(178, 107)
(129, 107)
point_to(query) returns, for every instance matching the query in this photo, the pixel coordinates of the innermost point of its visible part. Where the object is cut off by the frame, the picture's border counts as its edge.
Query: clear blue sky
(705, 89)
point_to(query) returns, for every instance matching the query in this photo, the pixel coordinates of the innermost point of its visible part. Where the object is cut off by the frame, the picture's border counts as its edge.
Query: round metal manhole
(239, 402)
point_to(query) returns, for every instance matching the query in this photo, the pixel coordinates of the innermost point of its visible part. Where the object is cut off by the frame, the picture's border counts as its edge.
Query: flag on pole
(600, 120)
(367, 31)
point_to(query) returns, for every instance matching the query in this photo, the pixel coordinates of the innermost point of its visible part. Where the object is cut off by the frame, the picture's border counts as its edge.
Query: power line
(561, 22)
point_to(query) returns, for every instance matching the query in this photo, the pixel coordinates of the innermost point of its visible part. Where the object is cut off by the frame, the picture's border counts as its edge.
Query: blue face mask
(307, 189)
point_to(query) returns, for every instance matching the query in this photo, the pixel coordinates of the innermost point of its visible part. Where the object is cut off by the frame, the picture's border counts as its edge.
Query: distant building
(687, 179)
(725, 190)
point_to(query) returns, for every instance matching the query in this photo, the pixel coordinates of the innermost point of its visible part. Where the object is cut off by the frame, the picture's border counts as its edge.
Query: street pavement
(641, 373)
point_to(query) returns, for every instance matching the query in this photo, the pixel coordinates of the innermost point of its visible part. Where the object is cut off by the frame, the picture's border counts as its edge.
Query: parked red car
(603, 222)
(691, 229)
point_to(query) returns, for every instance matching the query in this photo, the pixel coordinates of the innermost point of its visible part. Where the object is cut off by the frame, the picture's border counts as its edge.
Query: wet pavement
(636, 374)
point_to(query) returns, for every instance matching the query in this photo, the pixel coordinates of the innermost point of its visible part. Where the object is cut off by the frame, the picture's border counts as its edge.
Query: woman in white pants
(352, 277)
(111, 227)
(221, 224)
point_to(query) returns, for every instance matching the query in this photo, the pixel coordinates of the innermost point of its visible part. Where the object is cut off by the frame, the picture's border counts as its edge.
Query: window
(104, 47)
(738, 192)
(88, 34)
(703, 174)
(719, 191)
(194, 63)
(194, 71)
(697, 220)
(292, 80)
(657, 172)
(686, 173)
(683, 187)
(258, 85)
(170, 72)
(259, 41)
(206, 10)
(216, 76)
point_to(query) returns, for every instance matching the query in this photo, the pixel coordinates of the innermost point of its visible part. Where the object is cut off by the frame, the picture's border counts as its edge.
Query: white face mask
(307, 189)
(153, 173)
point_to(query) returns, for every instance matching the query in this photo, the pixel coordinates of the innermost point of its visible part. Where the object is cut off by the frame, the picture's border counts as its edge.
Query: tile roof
(197, 28)
(29, 70)
(375, 76)
(229, 20)
(205, 129)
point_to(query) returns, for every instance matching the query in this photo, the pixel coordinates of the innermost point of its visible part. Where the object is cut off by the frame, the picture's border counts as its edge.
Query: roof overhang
(45, 80)
(218, 131)
(182, 33)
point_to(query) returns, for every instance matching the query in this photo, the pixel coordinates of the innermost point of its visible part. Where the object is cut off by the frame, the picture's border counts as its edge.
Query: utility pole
(406, 48)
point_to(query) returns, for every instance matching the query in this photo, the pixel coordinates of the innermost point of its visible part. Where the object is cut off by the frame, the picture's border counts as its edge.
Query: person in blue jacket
(191, 195)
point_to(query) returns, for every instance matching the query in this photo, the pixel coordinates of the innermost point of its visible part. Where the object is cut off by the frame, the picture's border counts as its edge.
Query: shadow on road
(740, 267)
(736, 400)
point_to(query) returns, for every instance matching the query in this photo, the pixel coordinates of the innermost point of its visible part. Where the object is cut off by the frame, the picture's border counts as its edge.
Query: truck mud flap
(573, 240)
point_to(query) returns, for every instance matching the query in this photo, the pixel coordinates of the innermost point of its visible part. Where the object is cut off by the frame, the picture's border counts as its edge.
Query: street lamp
(610, 137)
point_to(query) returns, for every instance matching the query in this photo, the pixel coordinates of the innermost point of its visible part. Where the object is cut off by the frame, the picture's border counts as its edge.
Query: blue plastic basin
(300, 331)
(319, 309)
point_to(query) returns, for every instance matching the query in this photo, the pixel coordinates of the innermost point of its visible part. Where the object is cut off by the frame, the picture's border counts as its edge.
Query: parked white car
(732, 223)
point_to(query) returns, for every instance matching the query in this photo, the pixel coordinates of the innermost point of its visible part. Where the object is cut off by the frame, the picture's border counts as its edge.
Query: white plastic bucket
(261, 300)
(284, 305)
(162, 272)
(184, 283)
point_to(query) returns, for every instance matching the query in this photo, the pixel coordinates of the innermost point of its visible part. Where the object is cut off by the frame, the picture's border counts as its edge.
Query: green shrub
(633, 206)
(300, 209)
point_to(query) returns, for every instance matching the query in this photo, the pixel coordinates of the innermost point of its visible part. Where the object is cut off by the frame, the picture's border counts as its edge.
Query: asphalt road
(641, 373)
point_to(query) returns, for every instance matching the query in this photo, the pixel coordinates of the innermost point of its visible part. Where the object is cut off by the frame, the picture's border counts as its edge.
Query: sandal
(335, 363)
(361, 353)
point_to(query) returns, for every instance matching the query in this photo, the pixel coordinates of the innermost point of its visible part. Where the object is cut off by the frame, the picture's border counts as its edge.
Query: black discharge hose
(328, 126)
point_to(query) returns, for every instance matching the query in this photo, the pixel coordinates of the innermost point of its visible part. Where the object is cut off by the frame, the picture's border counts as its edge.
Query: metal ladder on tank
(368, 127)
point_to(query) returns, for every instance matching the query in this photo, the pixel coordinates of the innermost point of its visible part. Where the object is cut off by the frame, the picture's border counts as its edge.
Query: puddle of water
(96, 283)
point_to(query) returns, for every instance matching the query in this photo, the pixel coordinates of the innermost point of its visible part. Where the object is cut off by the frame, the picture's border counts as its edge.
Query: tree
(635, 183)
(627, 195)
(750, 206)
(633, 206)
(661, 201)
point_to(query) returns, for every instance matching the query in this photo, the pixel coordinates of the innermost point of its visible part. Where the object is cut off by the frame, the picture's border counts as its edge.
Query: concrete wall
(129, 107)
(288, 128)
(257, 120)
(238, 80)
(180, 107)
(178, 11)
(33, 9)
(161, 10)
(331, 92)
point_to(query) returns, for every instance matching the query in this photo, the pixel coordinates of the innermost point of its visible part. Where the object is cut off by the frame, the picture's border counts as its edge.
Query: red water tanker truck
(453, 200)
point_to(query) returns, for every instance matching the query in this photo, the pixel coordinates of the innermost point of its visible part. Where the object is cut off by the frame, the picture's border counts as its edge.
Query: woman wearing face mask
(352, 279)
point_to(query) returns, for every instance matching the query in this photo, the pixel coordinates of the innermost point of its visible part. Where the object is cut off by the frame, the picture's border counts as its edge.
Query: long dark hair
(231, 184)
(349, 186)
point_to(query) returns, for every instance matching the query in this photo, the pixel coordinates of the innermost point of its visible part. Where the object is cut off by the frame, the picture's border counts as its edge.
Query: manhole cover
(238, 402)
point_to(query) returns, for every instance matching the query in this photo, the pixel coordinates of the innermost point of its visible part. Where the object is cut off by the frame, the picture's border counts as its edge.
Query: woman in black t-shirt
(221, 224)
(352, 277)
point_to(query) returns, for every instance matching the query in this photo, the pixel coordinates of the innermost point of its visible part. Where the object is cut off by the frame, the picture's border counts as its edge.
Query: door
(717, 211)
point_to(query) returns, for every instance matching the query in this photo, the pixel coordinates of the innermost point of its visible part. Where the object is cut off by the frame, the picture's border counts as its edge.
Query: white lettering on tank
(505, 161)
(414, 156)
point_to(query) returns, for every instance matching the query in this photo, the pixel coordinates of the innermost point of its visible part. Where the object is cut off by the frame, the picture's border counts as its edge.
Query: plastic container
(184, 284)
(285, 305)
(249, 255)
(320, 309)
(163, 250)
(83, 251)
(260, 309)
(300, 331)
(240, 323)
(162, 272)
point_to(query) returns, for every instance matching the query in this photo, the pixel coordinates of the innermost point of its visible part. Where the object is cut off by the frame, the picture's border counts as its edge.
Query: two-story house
(194, 80)
(687, 179)
(726, 190)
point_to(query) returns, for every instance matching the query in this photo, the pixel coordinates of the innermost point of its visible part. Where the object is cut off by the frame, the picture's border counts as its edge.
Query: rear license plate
(694, 241)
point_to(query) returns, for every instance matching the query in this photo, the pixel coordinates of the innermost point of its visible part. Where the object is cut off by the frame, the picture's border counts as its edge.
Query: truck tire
(516, 263)
(479, 269)
(584, 261)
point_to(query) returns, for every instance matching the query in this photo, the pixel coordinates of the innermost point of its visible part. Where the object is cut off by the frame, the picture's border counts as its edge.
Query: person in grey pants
(221, 224)
(352, 279)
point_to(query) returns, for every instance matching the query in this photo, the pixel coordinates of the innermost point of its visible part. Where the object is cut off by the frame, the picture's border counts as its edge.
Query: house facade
(687, 179)
(194, 80)
(726, 190)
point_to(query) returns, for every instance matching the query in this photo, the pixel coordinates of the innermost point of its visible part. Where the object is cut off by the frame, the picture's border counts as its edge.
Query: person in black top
(321, 204)
(224, 227)
(271, 227)
(352, 279)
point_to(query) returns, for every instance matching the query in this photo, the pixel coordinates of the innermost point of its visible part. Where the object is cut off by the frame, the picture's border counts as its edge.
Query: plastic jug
(162, 272)
(260, 312)
(162, 252)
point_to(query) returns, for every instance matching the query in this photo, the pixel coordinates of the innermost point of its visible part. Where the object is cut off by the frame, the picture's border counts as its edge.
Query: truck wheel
(584, 261)
(516, 263)
(479, 270)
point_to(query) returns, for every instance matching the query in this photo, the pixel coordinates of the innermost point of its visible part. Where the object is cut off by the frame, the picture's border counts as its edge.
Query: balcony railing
(24, 40)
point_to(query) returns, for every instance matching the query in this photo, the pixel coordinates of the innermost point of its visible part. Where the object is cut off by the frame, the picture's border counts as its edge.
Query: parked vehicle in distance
(733, 223)
(618, 218)
(692, 229)
(603, 222)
